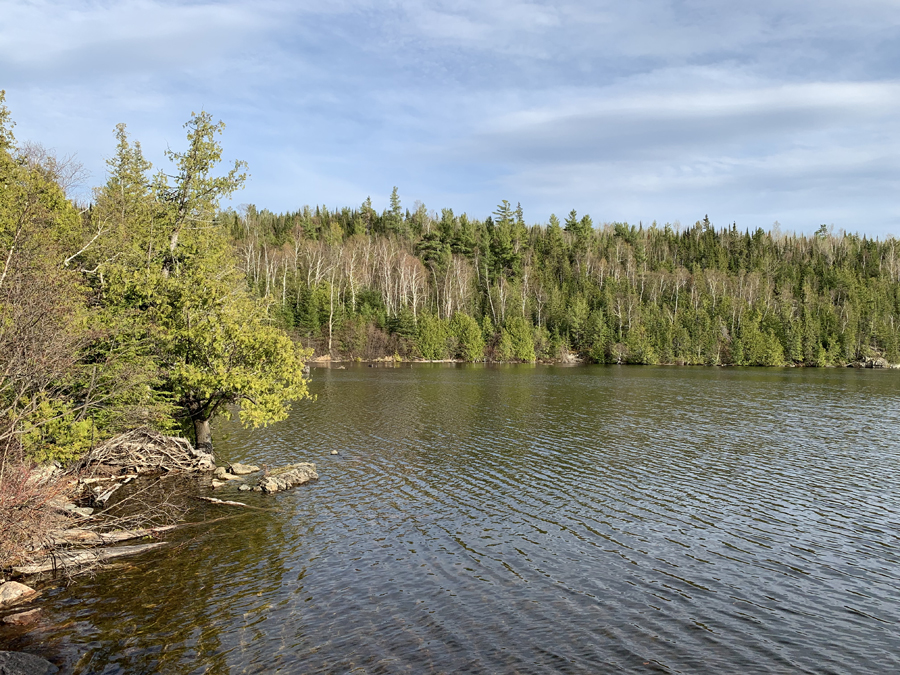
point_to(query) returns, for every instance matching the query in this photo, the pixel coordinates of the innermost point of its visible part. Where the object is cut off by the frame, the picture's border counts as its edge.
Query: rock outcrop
(286, 477)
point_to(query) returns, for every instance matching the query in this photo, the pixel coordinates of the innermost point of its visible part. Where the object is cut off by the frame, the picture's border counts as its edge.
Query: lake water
(530, 519)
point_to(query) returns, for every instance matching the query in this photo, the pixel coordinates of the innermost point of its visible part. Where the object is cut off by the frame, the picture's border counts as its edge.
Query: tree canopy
(131, 310)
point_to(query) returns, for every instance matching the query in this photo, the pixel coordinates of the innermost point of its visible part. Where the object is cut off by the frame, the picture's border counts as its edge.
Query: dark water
(532, 520)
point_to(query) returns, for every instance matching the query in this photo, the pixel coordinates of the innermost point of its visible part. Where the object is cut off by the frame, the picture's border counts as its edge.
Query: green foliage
(432, 336)
(53, 431)
(469, 337)
(135, 313)
(517, 341)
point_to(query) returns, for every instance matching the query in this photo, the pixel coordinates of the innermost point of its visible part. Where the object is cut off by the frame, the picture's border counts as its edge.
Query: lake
(529, 519)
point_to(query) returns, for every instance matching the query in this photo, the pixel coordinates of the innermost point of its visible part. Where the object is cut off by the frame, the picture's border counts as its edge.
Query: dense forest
(358, 284)
(150, 305)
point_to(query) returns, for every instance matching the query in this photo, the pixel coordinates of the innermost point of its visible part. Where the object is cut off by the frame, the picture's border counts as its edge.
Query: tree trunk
(202, 435)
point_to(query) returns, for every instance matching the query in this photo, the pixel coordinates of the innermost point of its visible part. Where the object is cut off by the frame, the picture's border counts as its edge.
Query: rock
(242, 469)
(220, 473)
(334, 452)
(20, 663)
(244, 488)
(44, 474)
(287, 477)
(21, 618)
(13, 592)
(880, 363)
(216, 484)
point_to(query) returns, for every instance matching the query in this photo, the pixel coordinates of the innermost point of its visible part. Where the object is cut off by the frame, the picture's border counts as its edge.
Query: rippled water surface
(531, 519)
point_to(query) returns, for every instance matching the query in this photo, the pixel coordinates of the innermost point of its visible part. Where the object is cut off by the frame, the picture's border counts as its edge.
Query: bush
(431, 337)
(469, 338)
(516, 341)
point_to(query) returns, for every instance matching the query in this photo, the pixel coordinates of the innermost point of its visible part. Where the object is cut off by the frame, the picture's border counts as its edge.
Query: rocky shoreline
(92, 515)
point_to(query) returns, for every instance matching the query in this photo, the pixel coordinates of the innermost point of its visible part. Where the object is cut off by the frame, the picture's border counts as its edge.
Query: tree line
(356, 283)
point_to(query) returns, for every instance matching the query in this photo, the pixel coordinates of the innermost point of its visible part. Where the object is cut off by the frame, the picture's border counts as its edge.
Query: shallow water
(530, 519)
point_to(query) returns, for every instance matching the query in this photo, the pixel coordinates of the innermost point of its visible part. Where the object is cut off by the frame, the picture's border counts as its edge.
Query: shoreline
(326, 362)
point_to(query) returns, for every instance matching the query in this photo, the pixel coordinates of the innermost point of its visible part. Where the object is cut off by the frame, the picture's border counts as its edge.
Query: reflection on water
(534, 520)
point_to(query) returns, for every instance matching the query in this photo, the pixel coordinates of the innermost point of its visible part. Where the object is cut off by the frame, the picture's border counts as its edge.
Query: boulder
(287, 477)
(239, 469)
(220, 472)
(21, 618)
(20, 663)
(12, 592)
(217, 484)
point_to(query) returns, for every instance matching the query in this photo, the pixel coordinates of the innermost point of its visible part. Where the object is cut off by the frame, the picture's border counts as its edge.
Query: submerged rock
(334, 452)
(12, 592)
(239, 469)
(20, 663)
(287, 477)
(21, 619)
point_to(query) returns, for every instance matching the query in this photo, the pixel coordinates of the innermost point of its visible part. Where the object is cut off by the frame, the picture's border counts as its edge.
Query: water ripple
(538, 520)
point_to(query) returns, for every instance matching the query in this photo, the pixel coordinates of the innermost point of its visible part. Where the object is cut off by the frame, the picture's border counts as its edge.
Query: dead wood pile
(145, 451)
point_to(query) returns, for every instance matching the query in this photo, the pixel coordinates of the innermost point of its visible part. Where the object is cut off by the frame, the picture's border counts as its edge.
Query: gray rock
(20, 663)
(22, 618)
(334, 452)
(242, 469)
(220, 473)
(216, 484)
(12, 592)
(244, 488)
(287, 477)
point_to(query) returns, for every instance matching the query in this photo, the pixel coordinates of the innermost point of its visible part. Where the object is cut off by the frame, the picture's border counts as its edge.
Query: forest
(356, 284)
(151, 304)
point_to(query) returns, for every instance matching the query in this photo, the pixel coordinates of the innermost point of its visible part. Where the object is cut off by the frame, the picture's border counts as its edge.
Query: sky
(662, 110)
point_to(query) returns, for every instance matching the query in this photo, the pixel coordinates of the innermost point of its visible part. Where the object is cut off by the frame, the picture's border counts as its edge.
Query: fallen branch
(224, 502)
(94, 538)
(65, 559)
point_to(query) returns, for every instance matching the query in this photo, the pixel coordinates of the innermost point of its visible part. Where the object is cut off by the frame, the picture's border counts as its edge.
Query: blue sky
(639, 111)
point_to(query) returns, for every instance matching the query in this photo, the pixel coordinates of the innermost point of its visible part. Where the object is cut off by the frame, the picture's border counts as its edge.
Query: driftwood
(145, 451)
(225, 502)
(64, 559)
(86, 537)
